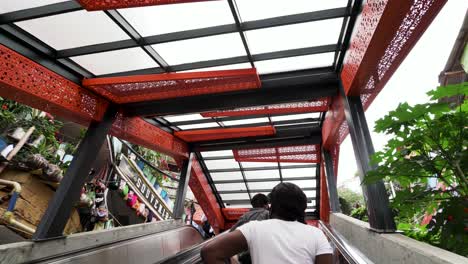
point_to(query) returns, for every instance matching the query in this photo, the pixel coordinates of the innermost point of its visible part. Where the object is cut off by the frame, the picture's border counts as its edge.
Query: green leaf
(449, 90)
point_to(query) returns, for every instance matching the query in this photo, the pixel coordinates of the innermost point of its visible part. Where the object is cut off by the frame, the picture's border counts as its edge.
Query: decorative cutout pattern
(299, 153)
(407, 27)
(138, 131)
(93, 5)
(29, 83)
(233, 214)
(139, 88)
(369, 19)
(224, 133)
(386, 32)
(320, 105)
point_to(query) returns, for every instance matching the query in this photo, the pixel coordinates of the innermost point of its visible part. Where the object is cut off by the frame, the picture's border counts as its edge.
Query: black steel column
(379, 212)
(183, 186)
(68, 193)
(331, 182)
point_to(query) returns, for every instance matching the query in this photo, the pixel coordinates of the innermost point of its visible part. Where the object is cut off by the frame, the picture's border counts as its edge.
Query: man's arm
(324, 259)
(224, 247)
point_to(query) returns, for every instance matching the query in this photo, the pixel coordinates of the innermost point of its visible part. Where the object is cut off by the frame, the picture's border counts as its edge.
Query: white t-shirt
(277, 241)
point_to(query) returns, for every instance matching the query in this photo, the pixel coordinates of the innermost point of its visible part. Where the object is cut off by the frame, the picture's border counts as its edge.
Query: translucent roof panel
(261, 174)
(294, 117)
(197, 126)
(116, 61)
(246, 121)
(300, 172)
(260, 9)
(258, 164)
(235, 196)
(263, 185)
(74, 29)
(247, 205)
(223, 176)
(201, 49)
(224, 67)
(303, 184)
(16, 5)
(218, 153)
(179, 118)
(231, 187)
(310, 194)
(221, 164)
(295, 63)
(296, 36)
(155, 20)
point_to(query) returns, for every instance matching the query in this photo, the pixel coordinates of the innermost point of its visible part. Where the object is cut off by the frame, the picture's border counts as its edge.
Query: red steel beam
(233, 214)
(202, 191)
(224, 133)
(320, 105)
(31, 84)
(385, 33)
(138, 88)
(93, 5)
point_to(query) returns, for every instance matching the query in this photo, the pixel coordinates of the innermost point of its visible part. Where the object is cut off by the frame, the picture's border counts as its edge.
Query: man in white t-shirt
(282, 239)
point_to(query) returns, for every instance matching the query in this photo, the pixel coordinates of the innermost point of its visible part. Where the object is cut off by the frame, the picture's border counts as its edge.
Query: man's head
(288, 202)
(260, 201)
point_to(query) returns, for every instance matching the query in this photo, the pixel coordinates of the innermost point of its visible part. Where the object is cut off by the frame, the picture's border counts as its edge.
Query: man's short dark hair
(288, 202)
(259, 200)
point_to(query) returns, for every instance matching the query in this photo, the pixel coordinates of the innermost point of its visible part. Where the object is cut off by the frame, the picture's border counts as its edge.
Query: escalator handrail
(190, 255)
(350, 253)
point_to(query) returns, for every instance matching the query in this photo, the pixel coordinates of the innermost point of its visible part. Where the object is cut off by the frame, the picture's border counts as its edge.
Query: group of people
(273, 231)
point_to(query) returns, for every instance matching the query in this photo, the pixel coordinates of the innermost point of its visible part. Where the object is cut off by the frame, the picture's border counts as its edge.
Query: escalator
(145, 249)
(181, 245)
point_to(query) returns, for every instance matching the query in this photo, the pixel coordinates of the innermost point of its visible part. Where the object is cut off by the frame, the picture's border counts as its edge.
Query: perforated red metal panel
(299, 153)
(233, 214)
(320, 105)
(224, 133)
(139, 88)
(29, 83)
(138, 131)
(324, 200)
(92, 5)
(385, 33)
(202, 191)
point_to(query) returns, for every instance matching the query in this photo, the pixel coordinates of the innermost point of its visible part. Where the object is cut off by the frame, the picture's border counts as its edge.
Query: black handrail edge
(350, 253)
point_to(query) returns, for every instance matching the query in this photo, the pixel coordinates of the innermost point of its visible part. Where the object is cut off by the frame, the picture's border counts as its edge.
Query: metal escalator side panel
(146, 249)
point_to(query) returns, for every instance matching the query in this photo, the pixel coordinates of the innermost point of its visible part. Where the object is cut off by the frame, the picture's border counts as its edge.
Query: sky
(417, 75)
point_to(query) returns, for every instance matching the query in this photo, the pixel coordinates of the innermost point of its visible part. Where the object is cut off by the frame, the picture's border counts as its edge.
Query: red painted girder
(202, 191)
(224, 133)
(385, 33)
(138, 131)
(299, 153)
(29, 83)
(93, 5)
(233, 214)
(324, 200)
(320, 105)
(138, 88)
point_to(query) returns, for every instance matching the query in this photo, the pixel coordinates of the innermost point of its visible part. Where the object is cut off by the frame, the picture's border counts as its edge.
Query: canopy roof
(274, 37)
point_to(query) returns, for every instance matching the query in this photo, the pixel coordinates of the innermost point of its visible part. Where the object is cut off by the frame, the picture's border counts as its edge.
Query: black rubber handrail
(351, 254)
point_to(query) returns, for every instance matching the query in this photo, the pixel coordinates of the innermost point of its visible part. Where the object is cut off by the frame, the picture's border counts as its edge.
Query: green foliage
(429, 142)
(360, 213)
(10, 113)
(349, 200)
(352, 197)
